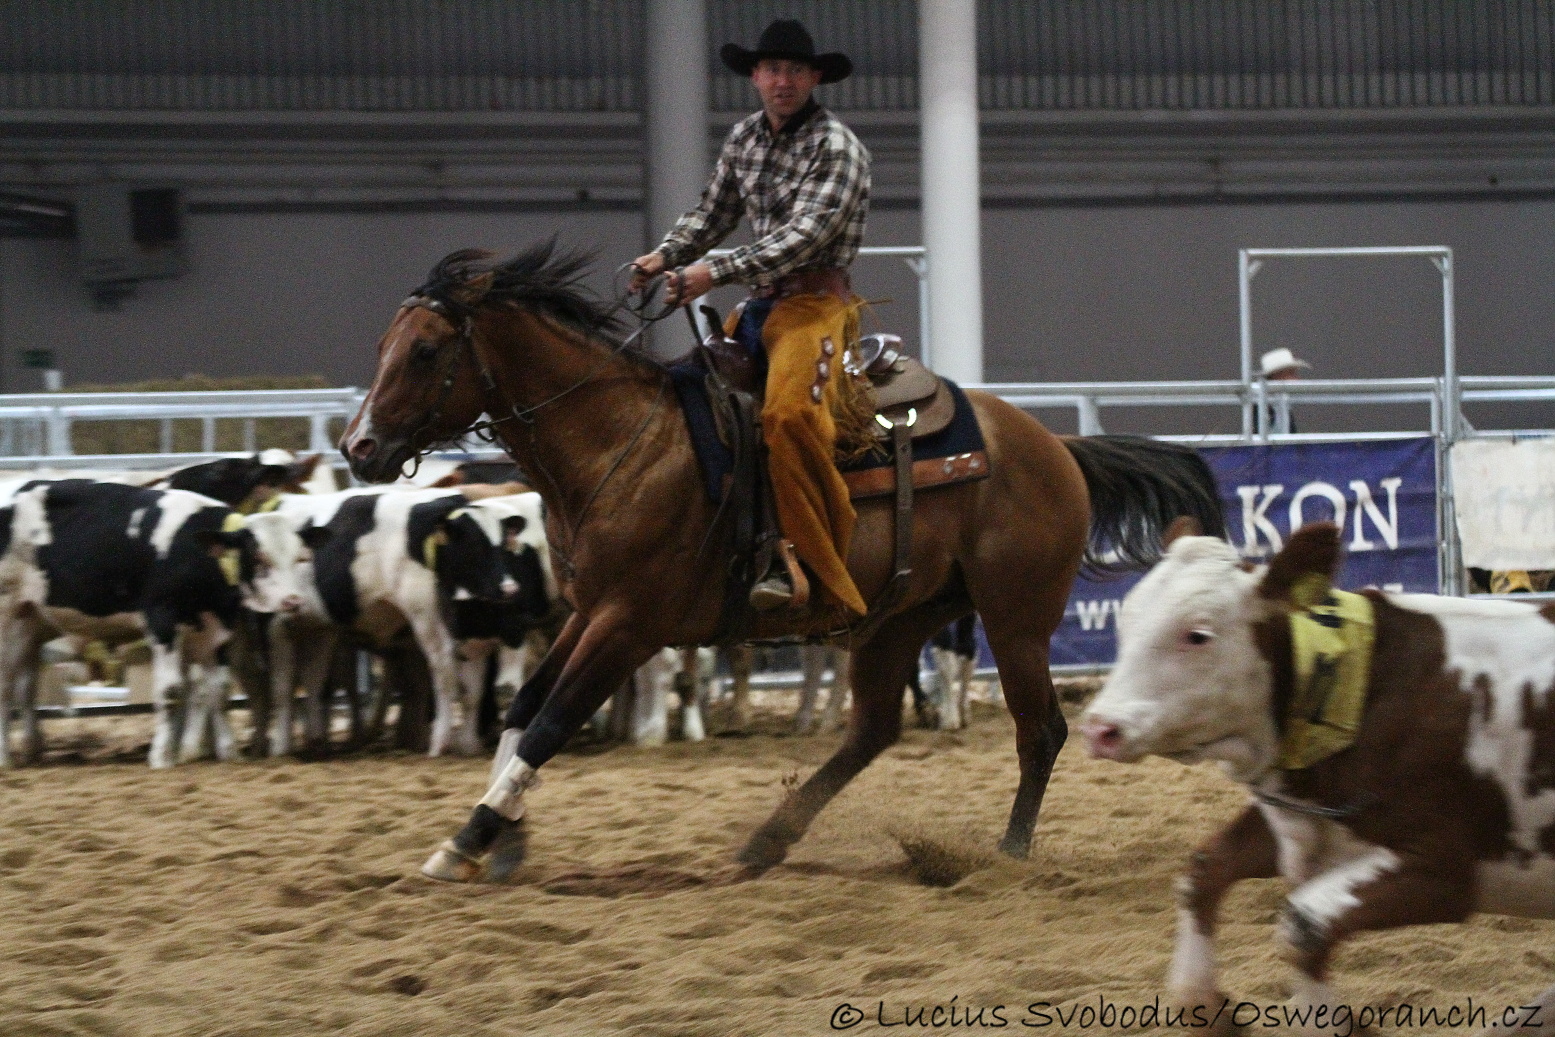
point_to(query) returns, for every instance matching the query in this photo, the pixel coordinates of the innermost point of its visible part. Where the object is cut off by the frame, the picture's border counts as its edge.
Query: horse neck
(591, 401)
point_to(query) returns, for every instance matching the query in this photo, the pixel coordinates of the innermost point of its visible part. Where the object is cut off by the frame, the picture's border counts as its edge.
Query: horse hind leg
(1040, 728)
(881, 668)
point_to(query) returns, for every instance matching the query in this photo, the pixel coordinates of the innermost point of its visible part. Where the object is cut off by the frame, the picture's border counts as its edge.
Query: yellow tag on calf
(1331, 644)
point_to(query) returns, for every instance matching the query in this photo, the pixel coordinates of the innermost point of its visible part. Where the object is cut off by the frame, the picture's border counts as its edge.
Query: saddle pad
(955, 454)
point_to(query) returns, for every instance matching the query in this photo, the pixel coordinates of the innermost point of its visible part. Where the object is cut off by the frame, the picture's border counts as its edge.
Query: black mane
(543, 278)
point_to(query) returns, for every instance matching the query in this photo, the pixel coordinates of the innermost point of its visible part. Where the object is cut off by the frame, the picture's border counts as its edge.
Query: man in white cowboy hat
(802, 179)
(1280, 365)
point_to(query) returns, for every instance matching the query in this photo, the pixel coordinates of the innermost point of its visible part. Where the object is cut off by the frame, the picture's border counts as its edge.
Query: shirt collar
(793, 123)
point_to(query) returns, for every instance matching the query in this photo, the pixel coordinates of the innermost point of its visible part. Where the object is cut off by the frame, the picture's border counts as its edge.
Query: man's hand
(694, 281)
(644, 268)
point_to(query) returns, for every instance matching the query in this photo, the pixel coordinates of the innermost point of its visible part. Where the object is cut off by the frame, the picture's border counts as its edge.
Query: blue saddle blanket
(961, 436)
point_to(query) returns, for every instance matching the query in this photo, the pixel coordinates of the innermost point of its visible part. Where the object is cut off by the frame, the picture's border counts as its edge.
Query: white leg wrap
(507, 749)
(506, 795)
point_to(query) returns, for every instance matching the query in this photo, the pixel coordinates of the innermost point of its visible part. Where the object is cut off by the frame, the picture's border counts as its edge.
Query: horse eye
(425, 352)
(1199, 636)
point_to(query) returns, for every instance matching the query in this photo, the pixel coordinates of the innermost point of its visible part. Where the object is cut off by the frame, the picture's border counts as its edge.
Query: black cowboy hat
(786, 38)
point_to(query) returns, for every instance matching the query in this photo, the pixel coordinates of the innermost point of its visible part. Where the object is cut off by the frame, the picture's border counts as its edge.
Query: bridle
(463, 317)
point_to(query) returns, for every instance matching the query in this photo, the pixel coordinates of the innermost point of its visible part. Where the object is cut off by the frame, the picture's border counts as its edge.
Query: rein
(1364, 800)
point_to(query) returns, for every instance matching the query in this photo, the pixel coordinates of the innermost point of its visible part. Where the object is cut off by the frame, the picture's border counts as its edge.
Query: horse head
(427, 388)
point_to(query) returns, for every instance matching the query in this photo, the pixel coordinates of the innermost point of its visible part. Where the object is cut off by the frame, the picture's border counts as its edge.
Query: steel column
(952, 235)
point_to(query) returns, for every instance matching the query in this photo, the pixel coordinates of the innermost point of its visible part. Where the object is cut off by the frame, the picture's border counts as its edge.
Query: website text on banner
(1383, 494)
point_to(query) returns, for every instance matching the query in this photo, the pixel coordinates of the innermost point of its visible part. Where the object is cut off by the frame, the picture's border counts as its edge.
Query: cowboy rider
(802, 178)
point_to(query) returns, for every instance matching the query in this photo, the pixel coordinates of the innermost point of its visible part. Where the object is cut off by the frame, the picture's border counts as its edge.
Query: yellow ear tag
(429, 548)
(231, 569)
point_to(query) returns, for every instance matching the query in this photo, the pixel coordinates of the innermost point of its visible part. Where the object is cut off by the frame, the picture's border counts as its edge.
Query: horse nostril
(291, 603)
(364, 448)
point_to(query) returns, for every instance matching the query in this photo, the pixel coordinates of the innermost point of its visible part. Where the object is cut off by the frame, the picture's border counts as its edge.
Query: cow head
(1191, 682)
(466, 551)
(277, 586)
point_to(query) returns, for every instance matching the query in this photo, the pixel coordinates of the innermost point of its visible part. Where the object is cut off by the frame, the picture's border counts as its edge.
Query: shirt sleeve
(831, 190)
(711, 221)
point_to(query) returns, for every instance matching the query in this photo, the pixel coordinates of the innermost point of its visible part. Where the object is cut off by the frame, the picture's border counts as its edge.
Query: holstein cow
(120, 562)
(381, 560)
(1399, 749)
(244, 483)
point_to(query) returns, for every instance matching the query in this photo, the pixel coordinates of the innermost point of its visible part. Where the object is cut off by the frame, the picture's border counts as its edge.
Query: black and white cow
(382, 559)
(119, 563)
(243, 483)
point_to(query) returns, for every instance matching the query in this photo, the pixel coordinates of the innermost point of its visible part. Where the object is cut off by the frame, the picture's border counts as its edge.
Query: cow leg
(742, 659)
(220, 678)
(24, 695)
(831, 720)
(880, 670)
(812, 659)
(472, 685)
(166, 692)
(604, 658)
(283, 683)
(690, 685)
(1244, 849)
(442, 663)
(650, 712)
(195, 741)
(314, 663)
(950, 718)
(1372, 890)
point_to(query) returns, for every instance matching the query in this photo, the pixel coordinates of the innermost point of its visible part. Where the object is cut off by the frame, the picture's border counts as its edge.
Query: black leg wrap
(476, 837)
(509, 851)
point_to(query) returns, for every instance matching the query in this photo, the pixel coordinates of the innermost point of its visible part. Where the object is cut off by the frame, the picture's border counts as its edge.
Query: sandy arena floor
(283, 899)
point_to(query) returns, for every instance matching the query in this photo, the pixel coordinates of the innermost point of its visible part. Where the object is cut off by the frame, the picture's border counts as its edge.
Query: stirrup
(778, 588)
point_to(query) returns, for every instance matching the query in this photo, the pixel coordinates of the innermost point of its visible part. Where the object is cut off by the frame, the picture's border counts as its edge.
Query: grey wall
(1121, 293)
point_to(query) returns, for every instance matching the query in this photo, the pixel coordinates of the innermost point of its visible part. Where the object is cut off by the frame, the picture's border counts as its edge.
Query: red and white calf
(1444, 804)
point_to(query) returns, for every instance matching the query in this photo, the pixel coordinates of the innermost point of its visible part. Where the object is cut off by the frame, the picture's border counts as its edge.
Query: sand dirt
(282, 898)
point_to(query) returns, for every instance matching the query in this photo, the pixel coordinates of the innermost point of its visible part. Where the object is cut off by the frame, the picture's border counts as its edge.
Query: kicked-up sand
(283, 899)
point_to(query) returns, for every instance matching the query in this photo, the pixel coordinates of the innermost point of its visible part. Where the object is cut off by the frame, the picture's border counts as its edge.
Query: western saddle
(910, 402)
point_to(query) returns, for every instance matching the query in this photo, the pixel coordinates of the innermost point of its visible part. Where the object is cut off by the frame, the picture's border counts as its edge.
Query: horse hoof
(508, 852)
(1012, 846)
(447, 864)
(762, 852)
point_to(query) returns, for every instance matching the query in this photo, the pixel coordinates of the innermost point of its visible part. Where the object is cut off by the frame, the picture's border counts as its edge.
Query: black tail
(1138, 486)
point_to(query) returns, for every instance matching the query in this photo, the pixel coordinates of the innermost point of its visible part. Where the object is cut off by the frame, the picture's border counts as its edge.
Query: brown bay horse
(642, 552)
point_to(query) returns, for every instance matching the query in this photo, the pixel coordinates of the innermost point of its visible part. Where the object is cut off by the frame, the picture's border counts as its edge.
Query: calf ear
(315, 536)
(1310, 556)
(1182, 526)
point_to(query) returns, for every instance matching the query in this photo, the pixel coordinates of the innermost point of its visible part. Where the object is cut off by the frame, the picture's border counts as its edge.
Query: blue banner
(1382, 494)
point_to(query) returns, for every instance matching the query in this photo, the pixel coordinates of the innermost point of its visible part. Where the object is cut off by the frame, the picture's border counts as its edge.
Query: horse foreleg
(880, 669)
(603, 656)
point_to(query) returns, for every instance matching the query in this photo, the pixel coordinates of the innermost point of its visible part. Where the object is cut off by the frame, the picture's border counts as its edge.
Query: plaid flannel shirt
(805, 189)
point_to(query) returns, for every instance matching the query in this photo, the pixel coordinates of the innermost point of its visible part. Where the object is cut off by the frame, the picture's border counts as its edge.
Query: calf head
(1193, 679)
(465, 547)
(235, 481)
(277, 585)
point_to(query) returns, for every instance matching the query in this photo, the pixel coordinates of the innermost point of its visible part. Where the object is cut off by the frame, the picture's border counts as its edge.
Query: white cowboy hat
(1277, 360)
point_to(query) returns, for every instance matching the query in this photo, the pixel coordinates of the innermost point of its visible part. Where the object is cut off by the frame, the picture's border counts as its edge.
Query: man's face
(784, 85)
(1289, 374)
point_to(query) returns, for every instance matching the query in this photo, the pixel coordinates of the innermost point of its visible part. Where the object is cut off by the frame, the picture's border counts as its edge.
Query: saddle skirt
(902, 392)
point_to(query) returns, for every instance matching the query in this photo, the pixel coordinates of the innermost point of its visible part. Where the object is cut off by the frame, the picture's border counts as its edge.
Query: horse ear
(1182, 526)
(474, 290)
(1305, 567)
